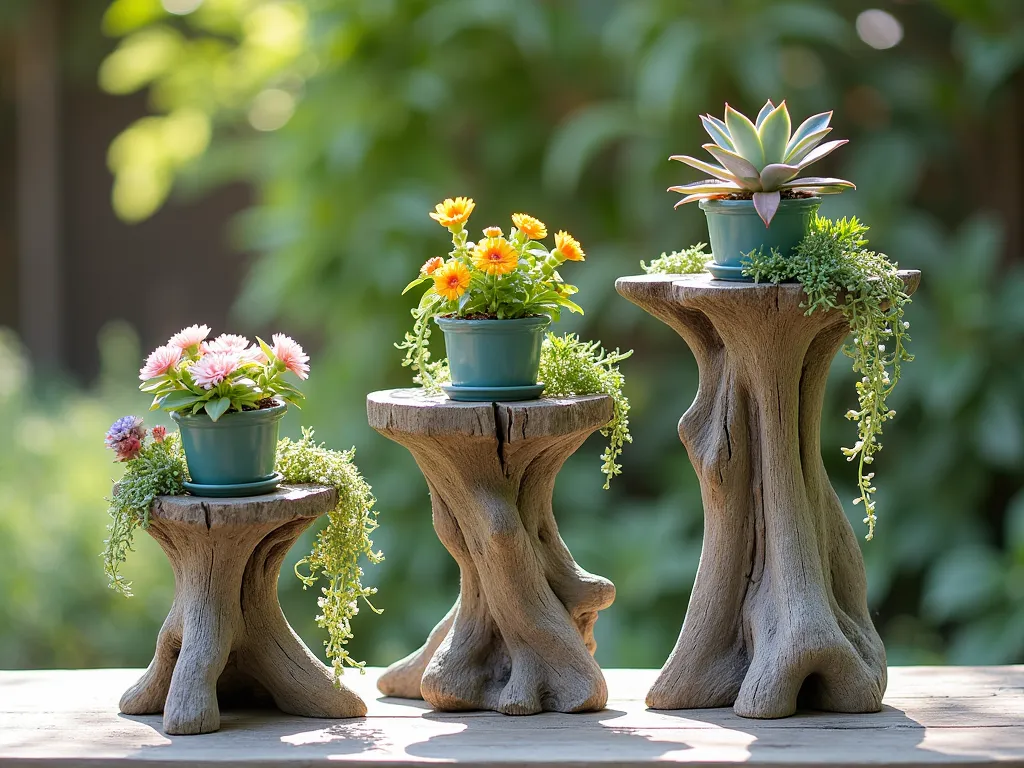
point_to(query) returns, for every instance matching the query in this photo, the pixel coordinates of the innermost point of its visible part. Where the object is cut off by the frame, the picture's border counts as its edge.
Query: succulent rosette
(762, 159)
(228, 373)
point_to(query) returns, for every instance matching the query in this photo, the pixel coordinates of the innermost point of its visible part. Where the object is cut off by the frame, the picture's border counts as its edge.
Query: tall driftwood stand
(225, 636)
(519, 640)
(779, 609)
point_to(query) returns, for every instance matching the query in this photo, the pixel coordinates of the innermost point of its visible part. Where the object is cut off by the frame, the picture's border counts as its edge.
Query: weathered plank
(966, 716)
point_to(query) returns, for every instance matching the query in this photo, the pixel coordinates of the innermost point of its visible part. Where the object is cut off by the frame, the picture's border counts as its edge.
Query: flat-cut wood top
(643, 289)
(288, 502)
(410, 411)
(967, 716)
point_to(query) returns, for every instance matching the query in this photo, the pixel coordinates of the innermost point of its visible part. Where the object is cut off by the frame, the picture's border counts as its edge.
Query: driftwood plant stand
(225, 635)
(779, 609)
(519, 640)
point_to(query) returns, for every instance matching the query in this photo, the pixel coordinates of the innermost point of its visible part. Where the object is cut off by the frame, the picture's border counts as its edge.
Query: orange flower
(451, 280)
(492, 232)
(495, 256)
(431, 265)
(568, 246)
(535, 229)
(453, 213)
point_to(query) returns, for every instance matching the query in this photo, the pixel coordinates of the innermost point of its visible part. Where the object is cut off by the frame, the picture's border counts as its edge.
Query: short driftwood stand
(225, 635)
(519, 640)
(779, 609)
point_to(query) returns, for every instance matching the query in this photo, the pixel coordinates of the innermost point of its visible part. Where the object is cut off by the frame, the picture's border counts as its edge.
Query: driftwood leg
(520, 638)
(778, 614)
(225, 635)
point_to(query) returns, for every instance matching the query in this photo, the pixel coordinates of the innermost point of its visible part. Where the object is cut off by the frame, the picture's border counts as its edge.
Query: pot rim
(260, 416)
(492, 324)
(742, 207)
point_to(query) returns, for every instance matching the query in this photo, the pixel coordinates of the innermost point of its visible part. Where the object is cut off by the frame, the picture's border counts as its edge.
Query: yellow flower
(568, 246)
(430, 266)
(452, 213)
(535, 229)
(495, 256)
(492, 232)
(451, 280)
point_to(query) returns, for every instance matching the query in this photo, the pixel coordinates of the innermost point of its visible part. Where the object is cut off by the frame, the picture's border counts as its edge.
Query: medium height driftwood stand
(225, 634)
(779, 607)
(520, 639)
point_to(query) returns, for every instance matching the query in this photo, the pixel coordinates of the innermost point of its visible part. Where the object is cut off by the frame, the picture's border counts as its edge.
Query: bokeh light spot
(271, 109)
(879, 29)
(180, 7)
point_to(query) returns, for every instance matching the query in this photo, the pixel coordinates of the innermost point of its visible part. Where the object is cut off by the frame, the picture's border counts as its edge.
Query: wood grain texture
(520, 638)
(932, 716)
(778, 614)
(225, 638)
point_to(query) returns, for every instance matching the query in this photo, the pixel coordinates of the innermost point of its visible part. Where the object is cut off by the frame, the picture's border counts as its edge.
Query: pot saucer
(494, 394)
(237, 489)
(732, 274)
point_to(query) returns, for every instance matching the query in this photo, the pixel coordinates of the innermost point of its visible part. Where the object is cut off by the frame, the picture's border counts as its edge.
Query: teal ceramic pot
(735, 229)
(494, 353)
(239, 448)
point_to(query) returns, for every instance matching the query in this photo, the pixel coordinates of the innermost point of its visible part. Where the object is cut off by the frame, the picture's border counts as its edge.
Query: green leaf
(747, 175)
(178, 399)
(765, 111)
(267, 350)
(418, 281)
(815, 154)
(700, 165)
(812, 125)
(774, 134)
(744, 137)
(718, 132)
(217, 408)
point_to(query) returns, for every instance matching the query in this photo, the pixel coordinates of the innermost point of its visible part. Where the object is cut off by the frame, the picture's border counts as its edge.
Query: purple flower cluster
(125, 437)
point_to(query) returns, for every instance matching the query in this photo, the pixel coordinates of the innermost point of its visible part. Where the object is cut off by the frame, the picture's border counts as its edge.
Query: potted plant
(493, 299)
(228, 397)
(757, 200)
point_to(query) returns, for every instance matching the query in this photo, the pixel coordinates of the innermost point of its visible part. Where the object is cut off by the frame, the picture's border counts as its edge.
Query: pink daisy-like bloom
(189, 337)
(290, 353)
(227, 342)
(159, 434)
(254, 354)
(213, 368)
(159, 362)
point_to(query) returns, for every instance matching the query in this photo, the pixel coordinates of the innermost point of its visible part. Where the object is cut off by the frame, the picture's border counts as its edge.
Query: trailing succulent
(689, 261)
(838, 271)
(762, 160)
(155, 466)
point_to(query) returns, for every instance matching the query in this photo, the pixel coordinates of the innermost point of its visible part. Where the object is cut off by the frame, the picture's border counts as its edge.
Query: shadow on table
(556, 737)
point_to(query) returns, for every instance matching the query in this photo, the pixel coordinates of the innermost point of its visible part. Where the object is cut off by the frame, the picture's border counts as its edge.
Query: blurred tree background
(351, 118)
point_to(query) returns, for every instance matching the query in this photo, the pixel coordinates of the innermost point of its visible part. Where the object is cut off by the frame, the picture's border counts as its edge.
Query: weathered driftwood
(520, 638)
(779, 609)
(225, 635)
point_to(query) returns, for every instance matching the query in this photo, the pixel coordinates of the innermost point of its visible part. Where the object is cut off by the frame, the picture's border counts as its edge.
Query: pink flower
(159, 434)
(213, 368)
(227, 342)
(189, 337)
(159, 362)
(128, 448)
(290, 353)
(255, 354)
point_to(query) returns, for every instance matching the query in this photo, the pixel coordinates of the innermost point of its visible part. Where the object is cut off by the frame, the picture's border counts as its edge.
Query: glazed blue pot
(735, 229)
(494, 353)
(239, 448)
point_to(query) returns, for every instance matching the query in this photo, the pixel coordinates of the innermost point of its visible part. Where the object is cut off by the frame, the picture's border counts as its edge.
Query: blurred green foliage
(370, 111)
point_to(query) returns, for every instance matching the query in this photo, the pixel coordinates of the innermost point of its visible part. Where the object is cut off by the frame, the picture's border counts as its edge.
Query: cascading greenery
(158, 468)
(838, 271)
(689, 261)
(338, 546)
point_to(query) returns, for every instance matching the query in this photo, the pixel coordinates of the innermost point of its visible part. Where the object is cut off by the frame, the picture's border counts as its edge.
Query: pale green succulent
(762, 159)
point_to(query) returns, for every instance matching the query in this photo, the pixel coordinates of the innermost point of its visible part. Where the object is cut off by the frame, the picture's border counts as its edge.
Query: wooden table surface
(965, 716)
